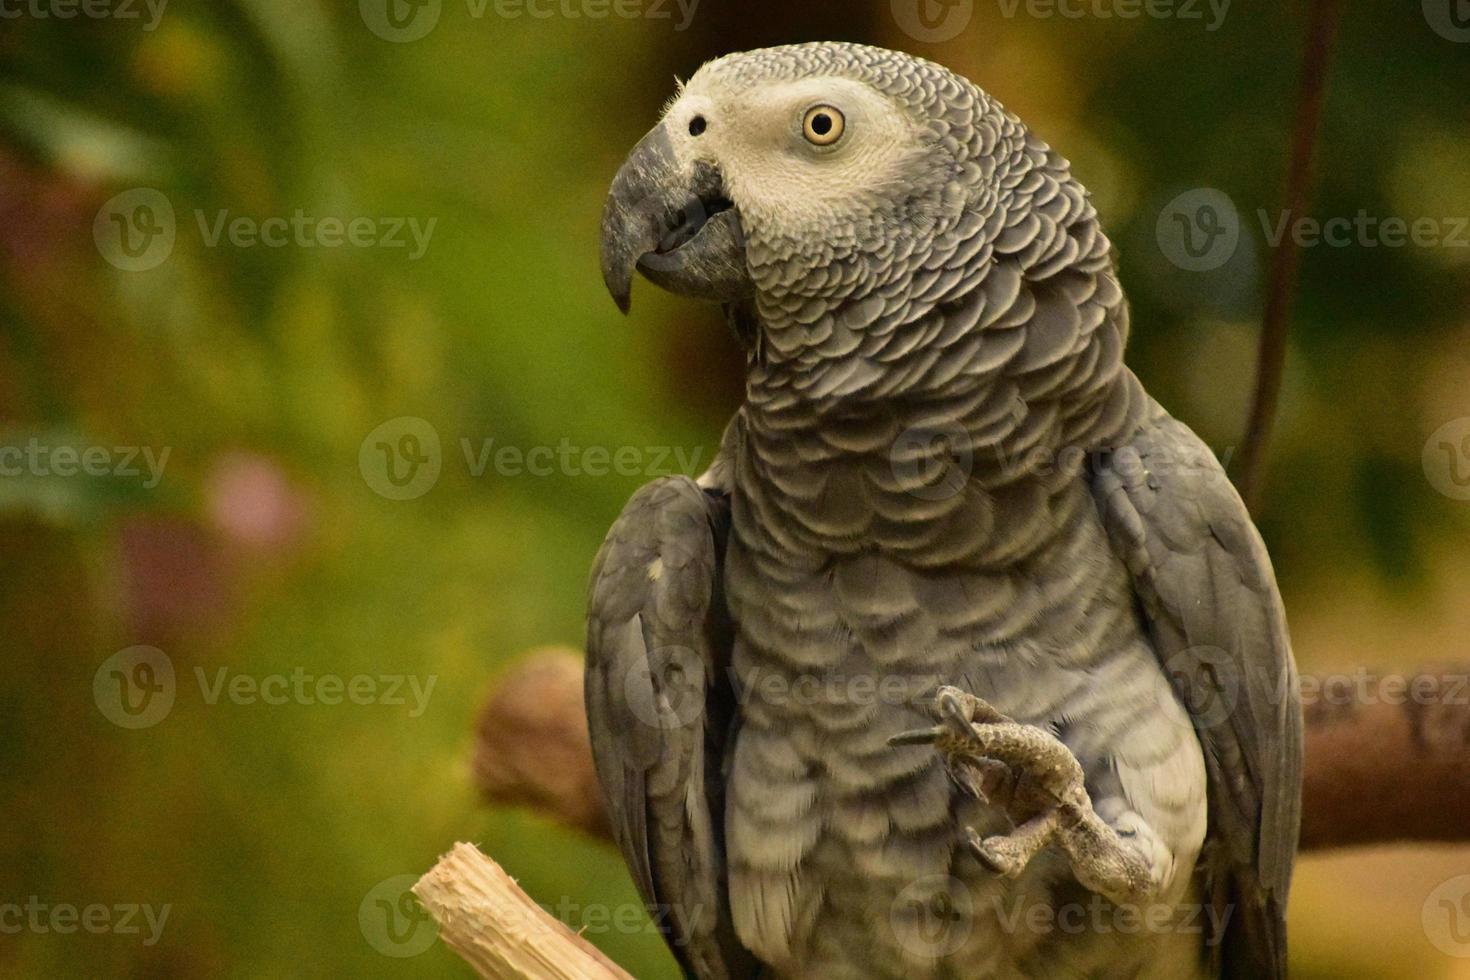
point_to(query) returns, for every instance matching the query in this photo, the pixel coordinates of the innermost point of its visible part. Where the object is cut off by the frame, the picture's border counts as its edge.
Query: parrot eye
(823, 125)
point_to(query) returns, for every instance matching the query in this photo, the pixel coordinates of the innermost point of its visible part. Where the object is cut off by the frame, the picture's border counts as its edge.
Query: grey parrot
(963, 658)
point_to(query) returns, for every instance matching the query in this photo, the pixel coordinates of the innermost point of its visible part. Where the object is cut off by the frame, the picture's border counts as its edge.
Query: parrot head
(876, 226)
(770, 165)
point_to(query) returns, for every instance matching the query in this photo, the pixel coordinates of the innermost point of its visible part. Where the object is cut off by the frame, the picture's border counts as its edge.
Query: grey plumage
(943, 474)
(662, 656)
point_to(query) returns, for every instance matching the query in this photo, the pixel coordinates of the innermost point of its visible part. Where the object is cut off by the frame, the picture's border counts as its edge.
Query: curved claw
(952, 705)
(919, 736)
(993, 860)
(960, 707)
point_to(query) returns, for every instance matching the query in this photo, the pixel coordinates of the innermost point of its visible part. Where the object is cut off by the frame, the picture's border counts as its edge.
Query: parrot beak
(678, 228)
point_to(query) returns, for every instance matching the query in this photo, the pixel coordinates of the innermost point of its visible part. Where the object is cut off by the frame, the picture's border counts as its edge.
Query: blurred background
(313, 412)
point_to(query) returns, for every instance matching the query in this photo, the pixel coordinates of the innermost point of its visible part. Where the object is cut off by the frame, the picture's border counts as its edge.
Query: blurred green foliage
(264, 549)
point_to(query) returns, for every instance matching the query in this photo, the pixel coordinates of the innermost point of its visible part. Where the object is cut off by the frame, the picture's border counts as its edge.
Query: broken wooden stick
(495, 927)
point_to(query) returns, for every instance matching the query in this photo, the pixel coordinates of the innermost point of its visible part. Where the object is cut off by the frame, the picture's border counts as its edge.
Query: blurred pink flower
(250, 501)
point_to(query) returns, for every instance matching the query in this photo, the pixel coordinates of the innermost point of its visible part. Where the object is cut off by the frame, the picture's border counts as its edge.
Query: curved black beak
(678, 228)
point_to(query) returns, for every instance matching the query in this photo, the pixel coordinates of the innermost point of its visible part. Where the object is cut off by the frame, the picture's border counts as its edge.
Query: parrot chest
(846, 854)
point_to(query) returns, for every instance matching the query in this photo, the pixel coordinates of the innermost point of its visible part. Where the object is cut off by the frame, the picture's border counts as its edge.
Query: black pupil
(821, 124)
(696, 125)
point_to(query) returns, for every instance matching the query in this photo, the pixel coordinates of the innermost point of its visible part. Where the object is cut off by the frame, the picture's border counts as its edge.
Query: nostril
(697, 125)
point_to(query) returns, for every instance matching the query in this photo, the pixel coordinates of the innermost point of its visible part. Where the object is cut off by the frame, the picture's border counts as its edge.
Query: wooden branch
(1281, 288)
(531, 743)
(1388, 759)
(1387, 756)
(495, 927)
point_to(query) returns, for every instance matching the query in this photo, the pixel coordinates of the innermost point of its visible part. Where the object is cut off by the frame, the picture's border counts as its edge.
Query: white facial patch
(754, 136)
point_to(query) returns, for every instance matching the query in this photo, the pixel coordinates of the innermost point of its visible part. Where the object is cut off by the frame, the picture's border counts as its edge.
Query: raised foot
(1048, 798)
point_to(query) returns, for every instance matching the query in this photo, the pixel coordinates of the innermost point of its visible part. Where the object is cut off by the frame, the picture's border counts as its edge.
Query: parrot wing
(660, 710)
(1209, 597)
